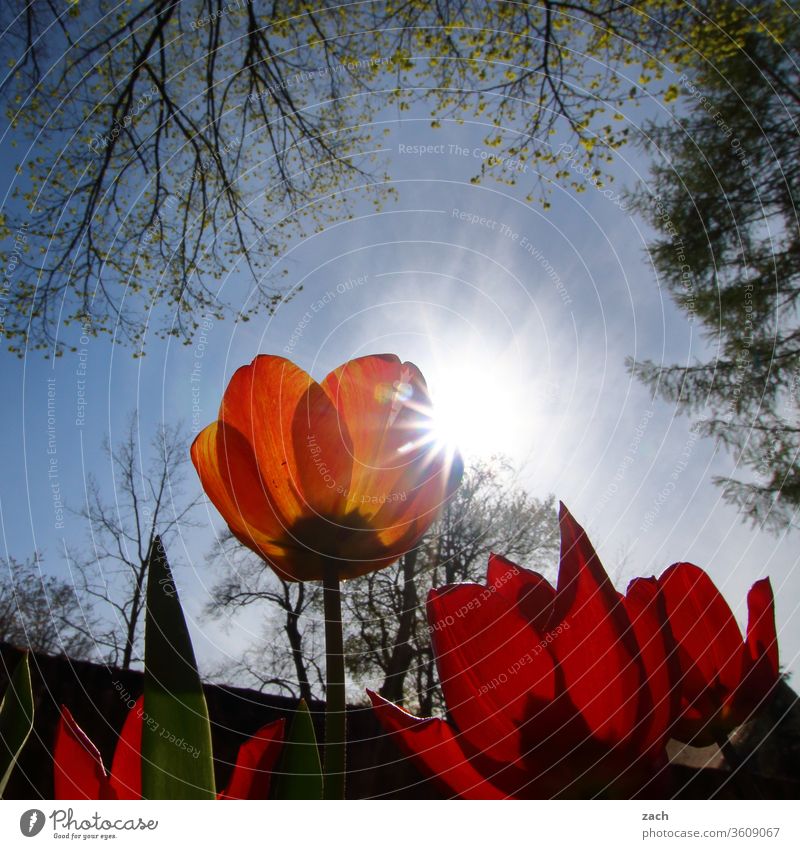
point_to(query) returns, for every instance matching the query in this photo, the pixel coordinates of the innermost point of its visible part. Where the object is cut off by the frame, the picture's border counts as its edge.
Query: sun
(476, 409)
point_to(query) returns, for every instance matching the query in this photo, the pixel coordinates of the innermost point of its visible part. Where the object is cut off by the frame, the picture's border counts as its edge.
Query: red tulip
(341, 472)
(80, 774)
(723, 677)
(565, 691)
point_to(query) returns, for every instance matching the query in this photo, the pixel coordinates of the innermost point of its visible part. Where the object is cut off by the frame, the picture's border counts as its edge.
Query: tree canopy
(723, 198)
(170, 140)
(43, 612)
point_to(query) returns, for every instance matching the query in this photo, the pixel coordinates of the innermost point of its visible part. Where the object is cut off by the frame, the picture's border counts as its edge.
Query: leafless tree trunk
(293, 634)
(249, 581)
(402, 653)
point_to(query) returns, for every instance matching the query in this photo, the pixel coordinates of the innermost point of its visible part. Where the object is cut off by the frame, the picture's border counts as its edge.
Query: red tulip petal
(79, 772)
(531, 592)
(658, 651)
(126, 768)
(494, 668)
(596, 649)
(434, 746)
(710, 643)
(762, 640)
(400, 525)
(270, 402)
(760, 669)
(254, 764)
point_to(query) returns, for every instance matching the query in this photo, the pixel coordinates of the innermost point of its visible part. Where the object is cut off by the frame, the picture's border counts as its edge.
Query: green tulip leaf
(177, 760)
(300, 772)
(16, 719)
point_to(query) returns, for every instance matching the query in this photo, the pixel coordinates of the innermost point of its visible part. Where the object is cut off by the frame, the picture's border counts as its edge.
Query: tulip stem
(335, 709)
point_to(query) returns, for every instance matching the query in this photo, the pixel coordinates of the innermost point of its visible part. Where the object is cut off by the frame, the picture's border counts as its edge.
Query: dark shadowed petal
(762, 641)
(658, 651)
(595, 649)
(710, 643)
(436, 749)
(531, 592)
(760, 672)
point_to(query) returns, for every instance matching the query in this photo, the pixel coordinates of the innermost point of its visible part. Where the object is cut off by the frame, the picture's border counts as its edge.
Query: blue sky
(530, 314)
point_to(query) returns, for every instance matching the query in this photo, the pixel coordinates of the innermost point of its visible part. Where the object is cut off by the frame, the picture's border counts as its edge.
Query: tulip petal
(398, 527)
(760, 669)
(762, 640)
(494, 668)
(399, 481)
(647, 612)
(435, 747)
(323, 455)
(386, 407)
(126, 768)
(293, 430)
(531, 592)
(595, 649)
(710, 643)
(254, 764)
(228, 472)
(420, 491)
(79, 772)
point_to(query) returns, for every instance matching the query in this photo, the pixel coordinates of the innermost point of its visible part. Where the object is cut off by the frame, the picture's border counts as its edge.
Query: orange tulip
(341, 474)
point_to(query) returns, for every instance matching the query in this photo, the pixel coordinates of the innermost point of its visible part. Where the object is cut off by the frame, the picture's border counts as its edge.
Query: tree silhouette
(723, 197)
(148, 501)
(43, 612)
(171, 141)
(288, 655)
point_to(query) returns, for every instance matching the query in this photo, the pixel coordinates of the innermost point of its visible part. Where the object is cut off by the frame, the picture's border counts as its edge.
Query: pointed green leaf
(300, 773)
(16, 719)
(177, 761)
